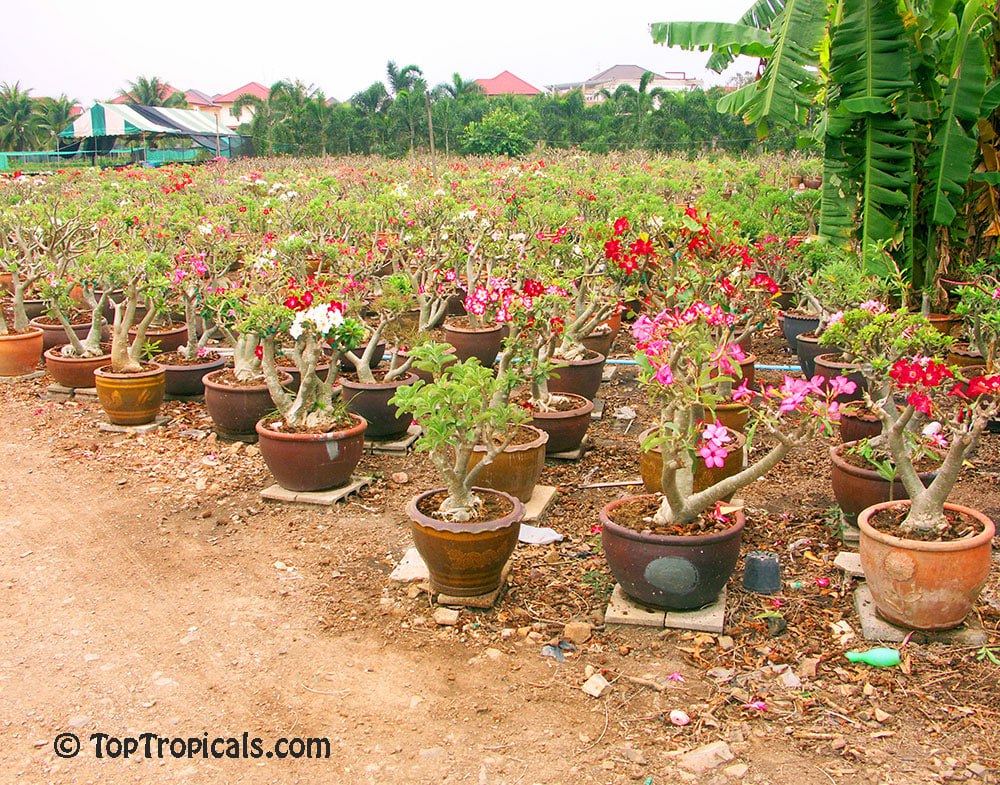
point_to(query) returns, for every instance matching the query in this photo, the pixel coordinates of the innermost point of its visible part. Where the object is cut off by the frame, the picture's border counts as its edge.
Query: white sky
(90, 50)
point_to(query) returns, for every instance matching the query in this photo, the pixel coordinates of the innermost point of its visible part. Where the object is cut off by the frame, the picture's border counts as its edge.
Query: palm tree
(372, 104)
(401, 79)
(457, 87)
(153, 91)
(19, 118)
(55, 116)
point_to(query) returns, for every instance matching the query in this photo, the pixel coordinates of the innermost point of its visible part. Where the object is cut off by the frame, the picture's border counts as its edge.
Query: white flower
(205, 228)
(400, 189)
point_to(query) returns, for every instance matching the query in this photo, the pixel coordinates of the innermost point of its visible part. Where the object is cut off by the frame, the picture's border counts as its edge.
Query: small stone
(838, 743)
(634, 756)
(679, 718)
(809, 667)
(413, 591)
(493, 654)
(789, 680)
(596, 686)
(507, 633)
(400, 478)
(280, 565)
(706, 758)
(882, 716)
(776, 625)
(978, 770)
(577, 631)
(446, 617)
(726, 643)
(737, 771)
(588, 671)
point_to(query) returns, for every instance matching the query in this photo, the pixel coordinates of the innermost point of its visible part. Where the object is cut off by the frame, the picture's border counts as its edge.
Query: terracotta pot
(346, 366)
(855, 427)
(599, 341)
(170, 339)
(480, 342)
(795, 181)
(963, 355)
(945, 323)
(73, 371)
(20, 352)
(296, 376)
(581, 377)
(7, 282)
(130, 398)
(402, 356)
(371, 401)
(855, 488)
(236, 410)
(516, 470)
(312, 461)
(732, 415)
(55, 334)
(925, 585)
(830, 365)
(808, 349)
(651, 465)
(186, 380)
(793, 325)
(671, 572)
(565, 429)
(812, 183)
(465, 559)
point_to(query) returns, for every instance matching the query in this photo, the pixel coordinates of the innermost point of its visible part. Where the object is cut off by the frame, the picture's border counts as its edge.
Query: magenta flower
(841, 385)
(716, 435)
(664, 375)
(714, 456)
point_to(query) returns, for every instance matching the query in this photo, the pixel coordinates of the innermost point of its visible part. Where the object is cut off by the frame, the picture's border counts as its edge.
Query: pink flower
(714, 456)
(873, 307)
(933, 436)
(664, 375)
(755, 706)
(841, 385)
(716, 435)
(743, 392)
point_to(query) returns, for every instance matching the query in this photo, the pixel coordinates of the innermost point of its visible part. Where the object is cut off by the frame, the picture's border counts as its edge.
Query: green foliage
(501, 132)
(877, 340)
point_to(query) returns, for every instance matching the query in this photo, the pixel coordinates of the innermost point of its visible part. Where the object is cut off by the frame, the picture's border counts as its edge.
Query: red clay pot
(186, 380)
(733, 415)
(945, 323)
(581, 377)
(925, 585)
(600, 341)
(516, 470)
(236, 410)
(170, 338)
(565, 429)
(20, 352)
(651, 465)
(465, 559)
(963, 355)
(55, 334)
(855, 488)
(73, 371)
(480, 342)
(675, 573)
(855, 427)
(312, 461)
(130, 398)
(830, 365)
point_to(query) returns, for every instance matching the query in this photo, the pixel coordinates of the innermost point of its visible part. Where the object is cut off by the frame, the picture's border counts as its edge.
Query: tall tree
(55, 116)
(19, 118)
(153, 91)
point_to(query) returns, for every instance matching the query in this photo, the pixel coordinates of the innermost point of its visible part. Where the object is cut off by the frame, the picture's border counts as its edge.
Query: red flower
(762, 281)
(307, 300)
(621, 226)
(242, 208)
(533, 288)
(642, 247)
(557, 325)
(613, 250)
(919, 401)
(293, 303)
(259, 351)
(629, 264)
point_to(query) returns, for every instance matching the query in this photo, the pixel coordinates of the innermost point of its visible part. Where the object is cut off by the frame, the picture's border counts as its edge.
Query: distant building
(505, 83)
(612, 78)
(225, 103)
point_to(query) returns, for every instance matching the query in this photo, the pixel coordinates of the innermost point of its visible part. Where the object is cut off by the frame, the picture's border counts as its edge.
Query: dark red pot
(371, 401)
(346, 366)
(674, 573)
(480, 342)
(808, 349)
(170, 339)
(186, 380)
(580, 377)
(855, 488)
(465, 559)
(55, 334)
(75, 372)
(600, 341)
(312, 461)
(236, 410)
(855, 427)
(830, 365)
(565, 429)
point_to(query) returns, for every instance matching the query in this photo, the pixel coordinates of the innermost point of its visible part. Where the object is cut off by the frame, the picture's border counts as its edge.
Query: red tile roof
(506, 83)
(198, 98)
(253, 88)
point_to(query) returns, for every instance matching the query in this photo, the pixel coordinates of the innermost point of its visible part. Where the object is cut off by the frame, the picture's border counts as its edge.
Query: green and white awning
(125, 120)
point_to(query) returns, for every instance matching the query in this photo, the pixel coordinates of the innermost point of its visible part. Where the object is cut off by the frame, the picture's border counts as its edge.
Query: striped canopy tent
(110, 120)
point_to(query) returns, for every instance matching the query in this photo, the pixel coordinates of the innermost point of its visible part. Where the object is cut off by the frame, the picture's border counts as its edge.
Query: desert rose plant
(681, 357)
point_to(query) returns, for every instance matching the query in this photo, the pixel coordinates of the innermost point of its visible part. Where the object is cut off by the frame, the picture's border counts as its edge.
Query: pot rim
(74, 325)
(984, 537)
(560, 362)
(53, 353)
(825, 361)
(512, 518)
(155, 331)
(459, 329)
(697, 540)
(31, 332)
(218, 363)
(105, 372)
(283, 377)
(360, 424)
(585, 408)
(540, 440)
(348, 384)
(867, 474)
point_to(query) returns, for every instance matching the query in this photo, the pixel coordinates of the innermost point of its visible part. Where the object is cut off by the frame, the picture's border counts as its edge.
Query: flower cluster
(321, 319)
(713, 448)
(497, 301)
(624, 254)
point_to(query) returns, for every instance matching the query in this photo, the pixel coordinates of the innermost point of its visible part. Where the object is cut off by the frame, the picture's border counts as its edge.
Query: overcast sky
(90, 50)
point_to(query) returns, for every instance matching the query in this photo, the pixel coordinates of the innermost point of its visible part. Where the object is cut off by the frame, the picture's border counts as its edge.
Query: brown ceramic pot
(565, 429)
(73, 371)
(808, 349)
(580, 377)
(186, 380)
(599, 341)
(944, 322)
(312, 461)
(925, 585)
(855, 427)
(733, 415)
(55, 334)
(465, 559)
(671, 572)
(236, 410)
(651, 465)
(963, 355)
(831, 365)
(515, 470)
(855, 488)
(35, 308)
(346, 366)
(371, 401)
(794, 324)
(20, 352)
(480, 342)
(130, 398)
(170, 338)
(402, 356)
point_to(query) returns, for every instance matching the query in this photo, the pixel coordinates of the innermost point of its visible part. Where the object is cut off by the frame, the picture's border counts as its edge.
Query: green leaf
(759, 15)
(721, 37)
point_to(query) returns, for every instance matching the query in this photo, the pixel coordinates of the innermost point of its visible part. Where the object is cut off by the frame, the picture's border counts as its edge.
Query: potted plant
(72, 364)
(925, 558)
(312, 442)
(677, 549)
(464, 533)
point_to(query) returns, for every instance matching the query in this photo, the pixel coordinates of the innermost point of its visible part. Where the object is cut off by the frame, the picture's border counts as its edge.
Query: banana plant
(899, 88)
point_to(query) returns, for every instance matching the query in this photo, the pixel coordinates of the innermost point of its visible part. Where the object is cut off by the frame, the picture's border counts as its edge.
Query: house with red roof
(506, 83)
(225, 103)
